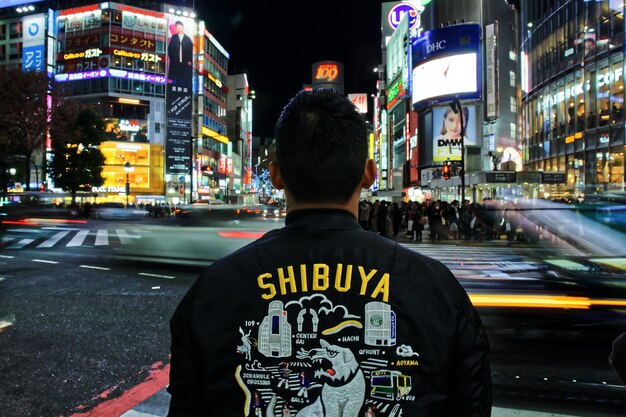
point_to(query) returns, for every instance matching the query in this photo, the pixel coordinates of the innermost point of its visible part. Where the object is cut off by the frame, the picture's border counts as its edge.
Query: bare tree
(24, 116)
(76, 131)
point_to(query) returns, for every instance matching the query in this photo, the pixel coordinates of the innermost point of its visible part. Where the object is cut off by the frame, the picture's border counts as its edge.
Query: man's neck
(351, 206)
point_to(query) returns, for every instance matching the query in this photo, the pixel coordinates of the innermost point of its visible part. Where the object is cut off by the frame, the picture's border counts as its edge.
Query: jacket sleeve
(185, 386)
(470, 376)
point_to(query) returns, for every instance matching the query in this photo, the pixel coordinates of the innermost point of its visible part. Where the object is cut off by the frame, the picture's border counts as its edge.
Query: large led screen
(445, 76)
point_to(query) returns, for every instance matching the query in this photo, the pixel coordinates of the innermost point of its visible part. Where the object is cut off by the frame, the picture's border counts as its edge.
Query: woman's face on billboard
(452, 123)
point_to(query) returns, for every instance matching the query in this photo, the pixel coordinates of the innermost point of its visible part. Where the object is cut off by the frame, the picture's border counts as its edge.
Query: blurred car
(117, 211)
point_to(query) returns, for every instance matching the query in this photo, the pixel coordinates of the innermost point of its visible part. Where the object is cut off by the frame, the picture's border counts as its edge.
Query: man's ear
(275, 176)
(369, 176)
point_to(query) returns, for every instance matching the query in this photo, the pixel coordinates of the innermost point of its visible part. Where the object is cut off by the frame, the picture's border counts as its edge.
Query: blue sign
(448, 40)
(446, 64)
(33, 52)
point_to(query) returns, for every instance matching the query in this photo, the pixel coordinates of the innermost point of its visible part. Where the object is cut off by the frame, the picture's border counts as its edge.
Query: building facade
(240, 98)
(572, 83)
(411, 102)
(213, 163)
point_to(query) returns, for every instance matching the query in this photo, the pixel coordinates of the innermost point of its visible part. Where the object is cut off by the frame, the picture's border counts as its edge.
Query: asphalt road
(87, 326)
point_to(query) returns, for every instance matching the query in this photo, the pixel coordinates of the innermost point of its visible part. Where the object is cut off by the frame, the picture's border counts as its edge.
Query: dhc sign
(436, 46)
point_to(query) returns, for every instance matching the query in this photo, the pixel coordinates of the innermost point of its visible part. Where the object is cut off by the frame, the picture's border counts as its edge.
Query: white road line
(61, 228)
(147, 274)
(24, 230)
(7, 256)
(78, 239)
(2, 279)
(21, 244)
(6, 239)
(43, 261)
(102, 238)
(94, 267)
(53, 240)
(123, 236)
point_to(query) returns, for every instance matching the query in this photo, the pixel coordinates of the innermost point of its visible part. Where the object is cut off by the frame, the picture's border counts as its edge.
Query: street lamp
(457, 108)
(128, 168)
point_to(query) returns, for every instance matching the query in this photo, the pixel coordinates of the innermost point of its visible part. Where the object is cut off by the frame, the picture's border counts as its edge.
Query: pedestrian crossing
(485, 262)
(47, 238)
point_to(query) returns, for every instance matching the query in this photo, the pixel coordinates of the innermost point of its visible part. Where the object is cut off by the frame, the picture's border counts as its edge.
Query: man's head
(180, 28)
(321, 148)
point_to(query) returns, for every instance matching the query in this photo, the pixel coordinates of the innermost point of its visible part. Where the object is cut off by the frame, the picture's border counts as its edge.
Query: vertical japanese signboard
(33, 58)
(178, 96)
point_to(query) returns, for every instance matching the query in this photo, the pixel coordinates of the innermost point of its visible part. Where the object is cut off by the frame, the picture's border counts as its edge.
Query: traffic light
(445, 171)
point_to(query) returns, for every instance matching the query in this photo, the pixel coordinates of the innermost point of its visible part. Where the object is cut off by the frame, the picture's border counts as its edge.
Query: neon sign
(397, 12)
(87, 75)
(327, 72)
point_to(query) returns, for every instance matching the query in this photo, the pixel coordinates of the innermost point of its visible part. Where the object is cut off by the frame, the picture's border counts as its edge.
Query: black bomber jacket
(322, 318)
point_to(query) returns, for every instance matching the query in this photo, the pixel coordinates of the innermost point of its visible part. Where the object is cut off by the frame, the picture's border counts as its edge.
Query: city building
(114, 56)
(214, 165)
(572, 87)
(240, 98)
(418, 44)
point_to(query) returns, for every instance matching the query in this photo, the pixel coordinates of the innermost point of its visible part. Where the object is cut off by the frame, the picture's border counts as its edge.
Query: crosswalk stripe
(78, 239)
(53, 240)
(102, 238)
(21, 243)
(6, 239)
(123, 236)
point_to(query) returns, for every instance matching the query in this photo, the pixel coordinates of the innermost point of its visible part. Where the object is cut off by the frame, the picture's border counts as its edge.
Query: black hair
(321, 146)
(178, 22)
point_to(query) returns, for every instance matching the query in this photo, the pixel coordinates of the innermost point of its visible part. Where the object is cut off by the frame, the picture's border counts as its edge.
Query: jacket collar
(321, 219)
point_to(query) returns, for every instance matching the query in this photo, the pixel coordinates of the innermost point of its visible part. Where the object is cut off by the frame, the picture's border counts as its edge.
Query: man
(180, 53)
(366, 318)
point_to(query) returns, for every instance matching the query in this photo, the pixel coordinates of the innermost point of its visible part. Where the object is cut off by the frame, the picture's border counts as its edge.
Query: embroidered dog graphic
(343, 391)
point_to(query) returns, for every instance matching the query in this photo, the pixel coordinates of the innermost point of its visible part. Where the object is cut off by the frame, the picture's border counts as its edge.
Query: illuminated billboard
(34, 43)
(327, 74)
(447, 143)
(446, 63)
(178, 100)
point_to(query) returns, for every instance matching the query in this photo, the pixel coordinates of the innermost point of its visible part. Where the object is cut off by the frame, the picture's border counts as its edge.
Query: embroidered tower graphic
(380, 324)
(275, 332)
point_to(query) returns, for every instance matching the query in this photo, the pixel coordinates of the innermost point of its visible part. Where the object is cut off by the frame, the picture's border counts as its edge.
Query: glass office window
(617, 88)
(580, 100)
(590, 98)
(603, 84)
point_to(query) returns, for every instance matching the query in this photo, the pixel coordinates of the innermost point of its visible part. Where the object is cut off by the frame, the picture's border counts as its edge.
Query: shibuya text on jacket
(321, 318)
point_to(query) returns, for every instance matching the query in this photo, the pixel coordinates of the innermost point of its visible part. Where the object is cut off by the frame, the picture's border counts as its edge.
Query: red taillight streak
(241, 235)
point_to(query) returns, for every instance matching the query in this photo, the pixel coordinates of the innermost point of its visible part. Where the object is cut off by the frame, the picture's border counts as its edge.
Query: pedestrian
(368, 305)
(364, 214)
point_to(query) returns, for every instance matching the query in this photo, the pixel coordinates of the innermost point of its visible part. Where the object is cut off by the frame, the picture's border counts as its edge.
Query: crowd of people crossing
(438, 220)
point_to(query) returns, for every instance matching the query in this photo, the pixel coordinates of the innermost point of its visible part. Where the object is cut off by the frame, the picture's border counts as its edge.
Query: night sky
(277, 52)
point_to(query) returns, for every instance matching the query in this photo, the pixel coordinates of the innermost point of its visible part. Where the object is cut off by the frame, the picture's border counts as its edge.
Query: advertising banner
(360, 101)
(491, 72)
(34, 43)
(178, 99)
(446, 62)
(447, 142)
